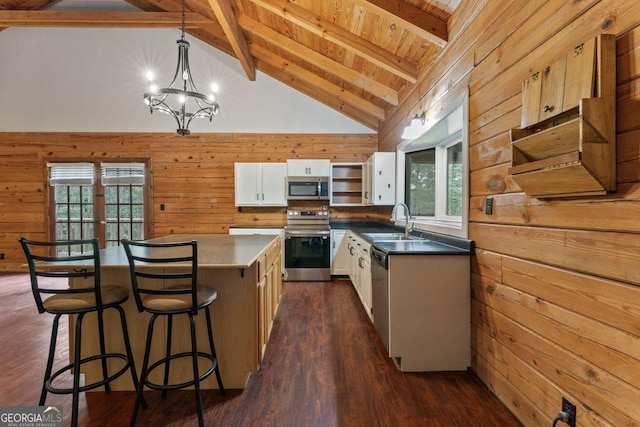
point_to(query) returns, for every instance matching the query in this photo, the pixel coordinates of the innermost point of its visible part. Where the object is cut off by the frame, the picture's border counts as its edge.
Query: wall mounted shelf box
(566, 144)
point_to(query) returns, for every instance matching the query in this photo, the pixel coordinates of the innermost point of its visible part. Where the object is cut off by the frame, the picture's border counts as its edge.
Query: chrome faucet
(408, 225)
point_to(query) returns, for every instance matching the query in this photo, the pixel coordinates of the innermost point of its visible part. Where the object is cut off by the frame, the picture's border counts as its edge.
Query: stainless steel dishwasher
(380, 293)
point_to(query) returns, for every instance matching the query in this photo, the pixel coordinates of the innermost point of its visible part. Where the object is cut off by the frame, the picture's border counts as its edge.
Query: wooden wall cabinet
(566, 144)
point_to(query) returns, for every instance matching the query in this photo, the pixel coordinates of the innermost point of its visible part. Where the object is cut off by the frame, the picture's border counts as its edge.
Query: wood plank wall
(191, 176)
(555, 283)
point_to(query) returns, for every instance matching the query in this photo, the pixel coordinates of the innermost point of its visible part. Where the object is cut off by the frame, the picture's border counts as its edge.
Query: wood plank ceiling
(360, 57)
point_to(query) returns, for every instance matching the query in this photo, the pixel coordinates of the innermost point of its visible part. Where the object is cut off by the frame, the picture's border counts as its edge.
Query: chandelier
(181, 98)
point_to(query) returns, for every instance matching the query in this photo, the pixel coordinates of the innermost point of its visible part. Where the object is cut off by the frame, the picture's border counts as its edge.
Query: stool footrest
(161, 362)
(55, 390)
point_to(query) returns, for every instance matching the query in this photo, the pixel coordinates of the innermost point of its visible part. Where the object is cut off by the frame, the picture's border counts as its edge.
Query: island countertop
(214, 250)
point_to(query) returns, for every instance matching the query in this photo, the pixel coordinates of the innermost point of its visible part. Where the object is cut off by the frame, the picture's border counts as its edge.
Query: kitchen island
(247, 275)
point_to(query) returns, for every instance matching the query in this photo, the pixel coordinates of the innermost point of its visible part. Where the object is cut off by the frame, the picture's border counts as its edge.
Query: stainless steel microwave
(308, 188)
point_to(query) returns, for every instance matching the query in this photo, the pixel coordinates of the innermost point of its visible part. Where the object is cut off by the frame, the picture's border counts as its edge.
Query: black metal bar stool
(171, 288)
(59, 299)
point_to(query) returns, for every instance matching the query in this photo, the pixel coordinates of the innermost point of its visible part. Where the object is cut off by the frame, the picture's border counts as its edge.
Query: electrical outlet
(570, 409)
(488, 208)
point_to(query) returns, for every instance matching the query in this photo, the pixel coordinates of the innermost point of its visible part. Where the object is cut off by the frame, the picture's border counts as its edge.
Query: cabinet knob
(547, 108)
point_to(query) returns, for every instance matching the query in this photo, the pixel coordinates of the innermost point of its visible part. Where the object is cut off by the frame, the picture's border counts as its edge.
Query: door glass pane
(73, 215)
(125, 195)
(124, 206)
(137, 231)
(112, 213)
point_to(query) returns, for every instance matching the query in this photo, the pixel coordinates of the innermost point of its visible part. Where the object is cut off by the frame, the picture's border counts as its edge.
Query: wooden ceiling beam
(227, 19)
(341, 37)
(415, 20)
(31, 4)
(22, 18)
(316, 81)
(310, 56)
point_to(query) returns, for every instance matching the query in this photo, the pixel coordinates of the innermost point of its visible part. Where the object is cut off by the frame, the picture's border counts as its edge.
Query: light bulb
(153, 88)
(214, 87)
(182, 99)
(185, 75)
(212, 97)
(150, 75)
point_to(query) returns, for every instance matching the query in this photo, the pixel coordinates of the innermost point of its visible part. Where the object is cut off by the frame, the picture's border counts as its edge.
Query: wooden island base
(246, 271)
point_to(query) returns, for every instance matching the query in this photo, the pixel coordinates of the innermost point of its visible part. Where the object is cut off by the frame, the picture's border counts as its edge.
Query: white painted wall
(92, 80)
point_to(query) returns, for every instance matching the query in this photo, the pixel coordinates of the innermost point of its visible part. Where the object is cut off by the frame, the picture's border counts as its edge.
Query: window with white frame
(435, 171)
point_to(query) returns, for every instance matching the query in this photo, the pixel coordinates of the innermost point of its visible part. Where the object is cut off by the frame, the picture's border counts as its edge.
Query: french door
(104, 200)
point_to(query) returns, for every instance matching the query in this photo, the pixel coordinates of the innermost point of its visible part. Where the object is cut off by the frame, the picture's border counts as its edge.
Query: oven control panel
(308, 214)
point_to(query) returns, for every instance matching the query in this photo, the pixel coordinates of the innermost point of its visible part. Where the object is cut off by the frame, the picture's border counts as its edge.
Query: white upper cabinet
(260, 184)
(379, 179)
(309, 167)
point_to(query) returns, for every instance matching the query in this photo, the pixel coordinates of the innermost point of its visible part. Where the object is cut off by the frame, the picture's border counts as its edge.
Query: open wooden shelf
(570, 150)
(346, 184)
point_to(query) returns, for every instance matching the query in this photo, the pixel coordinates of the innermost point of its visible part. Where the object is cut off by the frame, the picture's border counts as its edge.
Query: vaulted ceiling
(360, 57)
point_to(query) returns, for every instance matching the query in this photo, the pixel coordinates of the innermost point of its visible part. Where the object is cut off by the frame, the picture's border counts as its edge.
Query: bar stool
(171, 288)
(59, 299)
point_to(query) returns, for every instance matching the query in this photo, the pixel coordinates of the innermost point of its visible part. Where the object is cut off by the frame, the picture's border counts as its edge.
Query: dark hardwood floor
(324, 366)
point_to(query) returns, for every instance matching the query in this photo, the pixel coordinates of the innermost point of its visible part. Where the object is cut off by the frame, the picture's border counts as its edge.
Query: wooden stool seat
(179, 303)
(69, 303)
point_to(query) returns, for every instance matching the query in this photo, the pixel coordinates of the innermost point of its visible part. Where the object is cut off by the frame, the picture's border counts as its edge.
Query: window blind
(70, 173)
(122, 173)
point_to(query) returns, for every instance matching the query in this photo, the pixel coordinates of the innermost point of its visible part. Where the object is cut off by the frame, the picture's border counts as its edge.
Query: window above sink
(433, 171)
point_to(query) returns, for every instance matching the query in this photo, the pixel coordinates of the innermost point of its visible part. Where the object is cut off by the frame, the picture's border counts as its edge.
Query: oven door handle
(323, 234)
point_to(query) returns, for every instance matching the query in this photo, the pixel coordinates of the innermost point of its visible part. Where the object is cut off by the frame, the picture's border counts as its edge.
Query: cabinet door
(247, 184)
(552, 89)
(338, 252)
(383, 178)
(367, 291)
(262, 318)
(560, 86)
(542, 93)
(367, 199)
(320, 167)
(308, 167)
(273, 184)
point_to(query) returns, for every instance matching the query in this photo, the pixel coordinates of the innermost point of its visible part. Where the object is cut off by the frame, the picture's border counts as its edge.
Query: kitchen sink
(390, 237)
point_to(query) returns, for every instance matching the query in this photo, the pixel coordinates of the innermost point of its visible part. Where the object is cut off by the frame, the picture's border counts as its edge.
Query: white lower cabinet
(339, 264)
(359, 260)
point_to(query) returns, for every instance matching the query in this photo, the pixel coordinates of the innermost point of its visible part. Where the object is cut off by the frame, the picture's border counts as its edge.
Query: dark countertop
(433, 243)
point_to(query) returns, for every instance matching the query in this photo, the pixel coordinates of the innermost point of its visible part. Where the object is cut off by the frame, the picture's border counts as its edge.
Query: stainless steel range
(307, 245)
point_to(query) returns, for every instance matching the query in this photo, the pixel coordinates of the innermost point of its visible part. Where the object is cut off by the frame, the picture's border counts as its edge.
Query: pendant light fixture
(181, 99)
